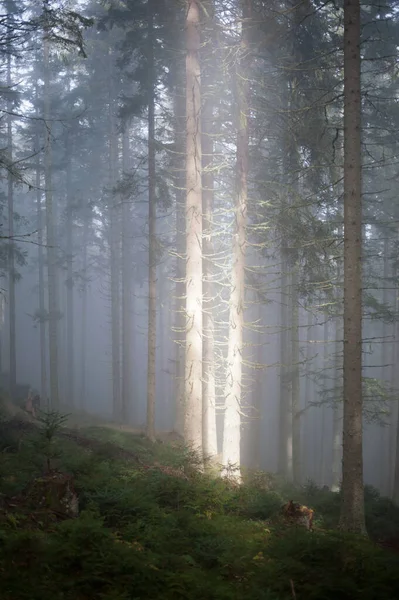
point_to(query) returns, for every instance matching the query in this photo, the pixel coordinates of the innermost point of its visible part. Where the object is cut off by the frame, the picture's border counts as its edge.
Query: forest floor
(150, 526)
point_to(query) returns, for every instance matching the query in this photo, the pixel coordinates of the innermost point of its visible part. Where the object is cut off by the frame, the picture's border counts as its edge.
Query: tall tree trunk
(193, 355)
(51, 241)
(384, 484)
(11, 246)
(337, 410)
(152, 258)
(127, 293)
(322, 471)
(295, 380)
(179, 325)
(285, 457)
(83, 343)
(257, 403)
(40, 257)
(209, 437)
(115, 253)
(308, 393)
(70, 378)
(352, 508)
(233, 389)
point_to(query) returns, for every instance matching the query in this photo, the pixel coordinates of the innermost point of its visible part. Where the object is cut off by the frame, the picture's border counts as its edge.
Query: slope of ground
(150, 526)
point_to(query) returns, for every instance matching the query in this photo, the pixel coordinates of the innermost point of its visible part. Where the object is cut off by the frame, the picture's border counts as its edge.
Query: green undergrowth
(151, 526)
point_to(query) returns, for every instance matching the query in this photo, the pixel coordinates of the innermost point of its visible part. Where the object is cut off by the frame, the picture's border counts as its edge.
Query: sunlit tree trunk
(233, 388)
(193, 354)
(11, 246)
(152, 259)
(209, 438)
(51, 241)
(127, 293)
(70, 378)
(257, 404)
(352, 508)
(179, 324)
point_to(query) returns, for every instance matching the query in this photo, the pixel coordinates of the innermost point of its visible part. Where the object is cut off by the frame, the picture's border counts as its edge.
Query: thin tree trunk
(51, 242)
(127, 293)
(285, 466)
(295, 380)
(115, 254)
(83, 343)
(179, 326)
(337, 410)
(233, 388)
(193, 355)
(386, 353)
(11, 245)
(352, 508)
(209, 437)
(70, 379)
(257, 403)
(40, 257)
(308, 389)
(322, 455)
(152, 264)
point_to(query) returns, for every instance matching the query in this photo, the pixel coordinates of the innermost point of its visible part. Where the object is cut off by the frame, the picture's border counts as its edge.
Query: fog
(77, 142)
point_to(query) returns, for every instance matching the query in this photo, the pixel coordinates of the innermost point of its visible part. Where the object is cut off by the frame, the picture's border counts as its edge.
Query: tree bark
(40, 258)
(352, 508)
(233, 389)
(285, 466)
(179, 324)
(114, 214)
(11, 246)
(84, 313)
(193, 354)
(209, 437)
(152, 259)
(51, 242)
(69, 281)
(127, 293)
(295, 381)
(337, 410)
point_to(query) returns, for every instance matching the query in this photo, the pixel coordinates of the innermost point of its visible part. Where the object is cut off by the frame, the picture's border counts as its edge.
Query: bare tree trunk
(69, 281)
(152, 259)
(83, 343)
(233, 388)
(115, 254)
(337, 411)
(209, 438)
(51, 241)
(285, 466)
(322, 456)
(295, 380)
(257, 403)
(179, 326)
(193, 357)
(40, 257)
(352, 509)
(11, 246)
(127, 293)
(386, 353)
(308, 391)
